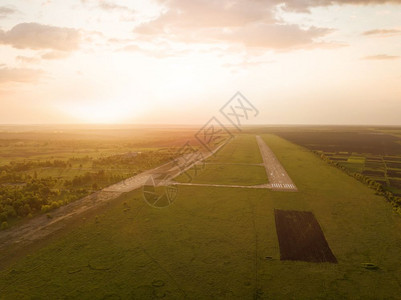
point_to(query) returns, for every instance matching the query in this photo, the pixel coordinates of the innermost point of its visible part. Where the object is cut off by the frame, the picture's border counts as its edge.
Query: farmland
(221, 242)
(375, 153)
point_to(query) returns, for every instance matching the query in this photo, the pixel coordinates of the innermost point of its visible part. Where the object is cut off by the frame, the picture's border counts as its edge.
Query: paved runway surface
(163, 174)
(278, 177)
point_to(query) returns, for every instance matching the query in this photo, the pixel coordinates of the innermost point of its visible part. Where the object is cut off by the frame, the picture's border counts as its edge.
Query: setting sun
(104, 111)
(293, 59)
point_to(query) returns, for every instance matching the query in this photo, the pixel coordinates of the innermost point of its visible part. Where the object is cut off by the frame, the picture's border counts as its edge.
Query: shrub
(45, 208)
(4, 225)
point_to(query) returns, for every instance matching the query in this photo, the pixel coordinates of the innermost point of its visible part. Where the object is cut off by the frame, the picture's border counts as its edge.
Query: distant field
(366, 142)
(374, 153)
(63, 142)
(45, 167)
(221, 243)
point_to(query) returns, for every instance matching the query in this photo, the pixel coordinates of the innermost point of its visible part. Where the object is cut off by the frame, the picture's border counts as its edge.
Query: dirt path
(42, 225)
(278, 177)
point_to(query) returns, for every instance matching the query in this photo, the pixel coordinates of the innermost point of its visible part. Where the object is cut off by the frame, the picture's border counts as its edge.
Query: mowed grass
(226, 174)
(242, 149)
(235, 164)
(212, 243)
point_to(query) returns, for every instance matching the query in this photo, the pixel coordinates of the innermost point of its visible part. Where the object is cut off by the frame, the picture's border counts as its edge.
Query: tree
(3, 216)
(24, 210)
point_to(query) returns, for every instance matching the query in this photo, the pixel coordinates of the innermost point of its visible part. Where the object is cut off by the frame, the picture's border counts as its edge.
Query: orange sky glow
(179, 61)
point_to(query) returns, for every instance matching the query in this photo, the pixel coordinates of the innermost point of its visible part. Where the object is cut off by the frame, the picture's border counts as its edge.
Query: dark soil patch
(301, 238)
(339, 158)
(382, 182)
(378, 165)
(373, 173)
(392, 158)
(393, 165)
(393, 173)
(353, 142)
(374, 159)
(395, 183)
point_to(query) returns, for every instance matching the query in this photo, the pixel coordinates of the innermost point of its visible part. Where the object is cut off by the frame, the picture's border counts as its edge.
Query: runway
(279, 180)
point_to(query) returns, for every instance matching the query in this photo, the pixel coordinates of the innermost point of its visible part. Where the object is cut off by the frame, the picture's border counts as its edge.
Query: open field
(221, 243)
(243, 149)
(226, 174)
(238, 163)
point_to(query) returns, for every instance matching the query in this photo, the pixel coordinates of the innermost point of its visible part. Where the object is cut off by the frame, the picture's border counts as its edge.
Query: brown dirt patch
(301, 238)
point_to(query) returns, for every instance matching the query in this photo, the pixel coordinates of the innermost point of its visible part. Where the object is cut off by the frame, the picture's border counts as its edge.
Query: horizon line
(193, 124)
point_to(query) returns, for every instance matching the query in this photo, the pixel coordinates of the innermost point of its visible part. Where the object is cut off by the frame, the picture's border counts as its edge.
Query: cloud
(113, 6)
(381, 57)
(5, 11)
(55, 55)
(272, 36)
(125, 12)
(253, 24)
(161, 52)
(19, 75)
(46, 55)
(28, 59)
(39, 36)
(208, 14)
(382, 32)
(245, 64)
(305, 5)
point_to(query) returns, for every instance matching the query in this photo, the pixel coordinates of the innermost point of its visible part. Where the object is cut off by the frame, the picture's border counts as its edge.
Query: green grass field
(226, 174)
(212, 243)
(237, 163)
(242, 149)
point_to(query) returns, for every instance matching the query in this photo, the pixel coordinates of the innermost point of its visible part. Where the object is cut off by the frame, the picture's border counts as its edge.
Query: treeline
(29, 165)
(93, 179)
(45, 194)
(143, 160)
(390, 197)
(34, 196)
(14, 171)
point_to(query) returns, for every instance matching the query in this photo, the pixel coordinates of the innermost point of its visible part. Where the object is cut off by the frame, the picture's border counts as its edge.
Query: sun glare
(104, 112)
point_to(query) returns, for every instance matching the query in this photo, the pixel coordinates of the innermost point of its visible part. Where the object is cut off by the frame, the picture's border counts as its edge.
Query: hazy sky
(179, 61)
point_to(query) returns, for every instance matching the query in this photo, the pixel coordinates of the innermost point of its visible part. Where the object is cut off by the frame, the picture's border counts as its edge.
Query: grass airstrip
(221, 243)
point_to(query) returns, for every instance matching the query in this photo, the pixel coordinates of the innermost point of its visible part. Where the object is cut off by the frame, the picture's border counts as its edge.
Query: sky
(180, 61)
